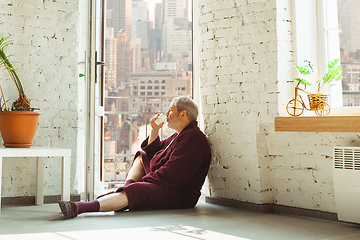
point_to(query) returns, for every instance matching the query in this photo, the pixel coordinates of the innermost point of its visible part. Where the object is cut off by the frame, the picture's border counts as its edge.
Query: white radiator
(347, 183)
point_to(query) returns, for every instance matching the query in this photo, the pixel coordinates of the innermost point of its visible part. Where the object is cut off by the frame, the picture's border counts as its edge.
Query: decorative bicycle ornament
(317, 102)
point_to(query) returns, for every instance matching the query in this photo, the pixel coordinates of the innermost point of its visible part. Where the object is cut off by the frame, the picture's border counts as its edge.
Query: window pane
(147, 42)
(349, 27)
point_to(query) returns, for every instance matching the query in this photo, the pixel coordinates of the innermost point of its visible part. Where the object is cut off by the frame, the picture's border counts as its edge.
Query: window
(329, 36)
(318, 43)
(139, 59)
(349, 27)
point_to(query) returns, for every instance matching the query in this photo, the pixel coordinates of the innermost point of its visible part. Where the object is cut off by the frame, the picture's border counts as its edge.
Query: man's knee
(139, 159)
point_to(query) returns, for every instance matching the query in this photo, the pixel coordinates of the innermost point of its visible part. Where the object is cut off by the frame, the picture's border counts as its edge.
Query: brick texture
(238, 41)
(246, 55)
(45, 50)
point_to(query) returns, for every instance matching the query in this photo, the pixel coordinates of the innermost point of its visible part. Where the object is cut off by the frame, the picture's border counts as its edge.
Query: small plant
(333, 74)
(22, 103)
(307, 70)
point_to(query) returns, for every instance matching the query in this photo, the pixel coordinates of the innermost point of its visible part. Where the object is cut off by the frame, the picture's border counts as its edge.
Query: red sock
(83, 207)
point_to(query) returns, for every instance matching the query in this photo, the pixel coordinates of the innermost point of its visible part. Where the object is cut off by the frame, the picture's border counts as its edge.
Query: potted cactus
(18, 122)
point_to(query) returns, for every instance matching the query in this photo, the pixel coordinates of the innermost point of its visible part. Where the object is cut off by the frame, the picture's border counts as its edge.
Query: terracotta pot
(18, 128)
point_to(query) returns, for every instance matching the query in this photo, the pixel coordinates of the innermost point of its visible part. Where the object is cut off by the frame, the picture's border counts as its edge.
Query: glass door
(99, 98)
(148, 61)
(94, 102)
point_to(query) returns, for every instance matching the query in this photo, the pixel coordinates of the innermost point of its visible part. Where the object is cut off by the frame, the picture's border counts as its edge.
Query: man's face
(172, 116)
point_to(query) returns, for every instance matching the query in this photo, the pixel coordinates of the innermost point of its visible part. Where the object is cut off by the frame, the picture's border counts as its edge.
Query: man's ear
(183, 113)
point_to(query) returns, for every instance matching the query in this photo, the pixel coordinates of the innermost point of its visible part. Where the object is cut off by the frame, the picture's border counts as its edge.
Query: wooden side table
(40, 154)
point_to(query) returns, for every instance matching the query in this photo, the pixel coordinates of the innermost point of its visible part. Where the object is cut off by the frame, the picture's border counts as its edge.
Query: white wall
(246, 62)
(47, 47)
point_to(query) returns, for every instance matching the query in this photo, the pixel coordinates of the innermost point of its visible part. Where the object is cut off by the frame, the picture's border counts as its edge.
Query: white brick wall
(246, 64)
(46, 48)
(235, 43)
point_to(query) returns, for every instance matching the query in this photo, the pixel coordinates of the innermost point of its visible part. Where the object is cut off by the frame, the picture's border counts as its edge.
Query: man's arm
(154, 129)
(185, 160)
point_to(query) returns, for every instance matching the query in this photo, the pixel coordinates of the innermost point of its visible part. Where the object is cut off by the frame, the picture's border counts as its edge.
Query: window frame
(329, 51)
(321, 52)
(326, 51)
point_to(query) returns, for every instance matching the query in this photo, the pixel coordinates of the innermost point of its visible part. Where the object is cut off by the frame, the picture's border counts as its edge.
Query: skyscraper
(110, 58)
(137, 53)
(140, 16)
(174, 16)
(155, 42)
(176, 9)
(125, 60)
(349, 21)
(158, 16)
(121, 16)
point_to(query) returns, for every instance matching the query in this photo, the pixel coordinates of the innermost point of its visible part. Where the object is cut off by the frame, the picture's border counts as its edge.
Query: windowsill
(318, 124)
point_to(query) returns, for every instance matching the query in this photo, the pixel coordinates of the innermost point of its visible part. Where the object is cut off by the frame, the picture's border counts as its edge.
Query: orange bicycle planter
(317, 102)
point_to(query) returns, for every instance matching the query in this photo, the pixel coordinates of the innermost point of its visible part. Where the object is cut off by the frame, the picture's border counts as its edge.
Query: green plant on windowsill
(319, 101)
(333, 74)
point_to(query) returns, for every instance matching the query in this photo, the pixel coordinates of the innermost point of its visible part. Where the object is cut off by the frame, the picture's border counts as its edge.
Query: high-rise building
(140, 17)
(351, 75)
(110, 58)
(349, 32)
(142, 28)
(168, 28)
(137, 54)
(180, 47)
(175, 18)
(349, 21)
(155, 42)
(158, 16)
(125, 60)
(121, 16)
(176, 9)
(144, 61)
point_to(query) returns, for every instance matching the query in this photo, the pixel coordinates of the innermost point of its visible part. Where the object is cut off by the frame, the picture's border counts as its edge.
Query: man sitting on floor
(166, 174)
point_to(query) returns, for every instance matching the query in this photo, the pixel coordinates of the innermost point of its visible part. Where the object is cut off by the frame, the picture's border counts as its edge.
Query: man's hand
(154, 128)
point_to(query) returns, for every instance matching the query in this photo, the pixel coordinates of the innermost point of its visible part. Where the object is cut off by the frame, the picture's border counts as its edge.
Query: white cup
(160, 119)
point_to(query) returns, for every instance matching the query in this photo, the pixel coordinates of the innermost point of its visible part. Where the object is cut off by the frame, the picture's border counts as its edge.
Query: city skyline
(147, 65)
